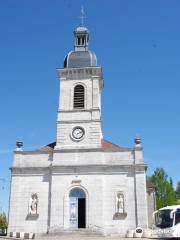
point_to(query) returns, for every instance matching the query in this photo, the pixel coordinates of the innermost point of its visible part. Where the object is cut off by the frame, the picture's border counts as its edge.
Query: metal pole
(135, 189)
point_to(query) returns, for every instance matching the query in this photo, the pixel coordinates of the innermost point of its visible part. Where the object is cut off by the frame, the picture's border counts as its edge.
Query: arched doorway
(77, 208)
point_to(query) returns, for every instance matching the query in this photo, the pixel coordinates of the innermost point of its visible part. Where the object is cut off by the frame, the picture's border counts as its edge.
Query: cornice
(33, 152)
(92, 150)
(49, 152)
(79, 110)
(85, 72)
(79, 169)
(29, 170)
(77, 121)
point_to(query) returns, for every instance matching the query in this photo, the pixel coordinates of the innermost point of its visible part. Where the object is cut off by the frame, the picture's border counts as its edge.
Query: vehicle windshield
(177, 216)
(163, 219)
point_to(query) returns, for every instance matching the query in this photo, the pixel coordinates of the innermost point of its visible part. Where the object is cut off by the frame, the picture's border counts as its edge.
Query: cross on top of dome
(81, 35)
(83, 16)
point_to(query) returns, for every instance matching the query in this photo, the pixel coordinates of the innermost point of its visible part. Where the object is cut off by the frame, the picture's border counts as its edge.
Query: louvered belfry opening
(79, 97)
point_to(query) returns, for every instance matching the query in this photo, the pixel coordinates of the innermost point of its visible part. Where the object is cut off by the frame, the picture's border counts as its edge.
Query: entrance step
(79, 236)
(71, 234)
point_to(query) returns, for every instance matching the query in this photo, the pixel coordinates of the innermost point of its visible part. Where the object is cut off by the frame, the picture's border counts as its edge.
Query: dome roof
(78, 59)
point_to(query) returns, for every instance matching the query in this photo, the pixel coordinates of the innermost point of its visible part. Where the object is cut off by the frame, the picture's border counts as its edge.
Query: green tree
(178, 193)
(171, 181)
(165, 194)
(3, 221)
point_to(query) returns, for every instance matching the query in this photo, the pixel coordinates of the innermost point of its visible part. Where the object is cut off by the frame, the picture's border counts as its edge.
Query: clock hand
(79, 133)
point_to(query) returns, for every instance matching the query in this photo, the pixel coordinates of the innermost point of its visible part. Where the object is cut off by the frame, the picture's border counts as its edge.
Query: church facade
(81, 181)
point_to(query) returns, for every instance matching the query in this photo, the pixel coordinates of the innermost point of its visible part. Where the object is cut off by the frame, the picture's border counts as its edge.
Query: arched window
(78, 97)
(77, 192)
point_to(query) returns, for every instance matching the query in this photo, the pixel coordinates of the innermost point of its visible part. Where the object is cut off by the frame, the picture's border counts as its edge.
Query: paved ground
(76, 236)
(89, 238)
(84, 236)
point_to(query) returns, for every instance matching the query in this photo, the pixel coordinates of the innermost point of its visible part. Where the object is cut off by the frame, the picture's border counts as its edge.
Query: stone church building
(81, 180)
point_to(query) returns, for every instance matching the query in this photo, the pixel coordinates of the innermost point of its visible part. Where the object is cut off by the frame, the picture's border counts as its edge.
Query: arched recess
(77, 207)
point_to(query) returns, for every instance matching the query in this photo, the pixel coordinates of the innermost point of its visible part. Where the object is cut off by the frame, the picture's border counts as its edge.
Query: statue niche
(33, 204)
(120, 208)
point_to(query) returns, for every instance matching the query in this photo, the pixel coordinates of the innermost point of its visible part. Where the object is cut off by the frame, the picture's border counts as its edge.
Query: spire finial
(137, 141)
(19, 145)
(82, 17)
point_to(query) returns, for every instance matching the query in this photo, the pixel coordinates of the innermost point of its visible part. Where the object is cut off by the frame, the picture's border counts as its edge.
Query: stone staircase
(71, 234)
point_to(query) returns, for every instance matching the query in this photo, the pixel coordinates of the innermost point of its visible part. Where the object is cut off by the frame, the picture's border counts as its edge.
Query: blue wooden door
(73, 212)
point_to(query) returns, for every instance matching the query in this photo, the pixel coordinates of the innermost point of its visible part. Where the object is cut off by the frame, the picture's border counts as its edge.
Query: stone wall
(100, 174)
(22, 188)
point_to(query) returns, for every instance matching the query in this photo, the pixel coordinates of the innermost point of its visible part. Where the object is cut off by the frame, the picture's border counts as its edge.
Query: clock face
(78, 133)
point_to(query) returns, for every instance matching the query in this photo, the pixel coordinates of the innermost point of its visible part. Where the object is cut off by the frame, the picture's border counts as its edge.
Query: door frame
(66, 207)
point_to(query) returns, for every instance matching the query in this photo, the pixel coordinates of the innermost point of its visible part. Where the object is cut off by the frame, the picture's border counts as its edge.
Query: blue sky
(137, 44)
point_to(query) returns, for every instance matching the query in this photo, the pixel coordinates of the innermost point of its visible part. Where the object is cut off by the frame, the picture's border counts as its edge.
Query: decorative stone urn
(138, 232)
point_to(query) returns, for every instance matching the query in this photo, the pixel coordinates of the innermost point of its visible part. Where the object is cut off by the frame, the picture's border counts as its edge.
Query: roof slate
(106, 145)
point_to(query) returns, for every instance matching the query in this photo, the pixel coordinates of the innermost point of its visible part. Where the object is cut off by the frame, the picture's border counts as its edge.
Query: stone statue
(33, 204)
(120, 202)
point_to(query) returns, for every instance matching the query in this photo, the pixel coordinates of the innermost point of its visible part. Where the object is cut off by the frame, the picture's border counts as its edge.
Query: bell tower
(81, 39)
(79, 112)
